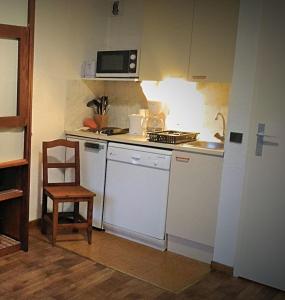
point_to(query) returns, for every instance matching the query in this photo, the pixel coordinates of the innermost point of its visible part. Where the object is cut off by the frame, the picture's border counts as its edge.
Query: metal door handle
(260, 139)
(266, 135)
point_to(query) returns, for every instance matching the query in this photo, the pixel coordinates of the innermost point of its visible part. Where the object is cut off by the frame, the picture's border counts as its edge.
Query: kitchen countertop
(141, 140)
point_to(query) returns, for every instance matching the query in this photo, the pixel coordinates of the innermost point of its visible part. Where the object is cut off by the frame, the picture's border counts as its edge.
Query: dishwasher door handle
(136, 157)
(95, 146)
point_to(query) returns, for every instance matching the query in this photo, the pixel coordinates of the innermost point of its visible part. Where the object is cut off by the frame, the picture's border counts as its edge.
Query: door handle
(266, 135)
(260, 139)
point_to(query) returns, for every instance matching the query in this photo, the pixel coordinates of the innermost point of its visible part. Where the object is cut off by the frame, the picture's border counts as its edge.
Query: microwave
(117, 64)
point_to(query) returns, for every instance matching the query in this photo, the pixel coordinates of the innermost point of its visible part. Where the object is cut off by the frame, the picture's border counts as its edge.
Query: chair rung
(61, 165)
(73, 225)
(65, 218)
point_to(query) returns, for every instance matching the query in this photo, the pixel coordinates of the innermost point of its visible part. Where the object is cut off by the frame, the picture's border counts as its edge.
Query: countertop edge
(140, 140)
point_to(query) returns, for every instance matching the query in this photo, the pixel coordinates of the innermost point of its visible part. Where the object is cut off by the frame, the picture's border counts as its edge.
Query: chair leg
(44, 211)
(89, 220)
(54, 221)
(76, 215)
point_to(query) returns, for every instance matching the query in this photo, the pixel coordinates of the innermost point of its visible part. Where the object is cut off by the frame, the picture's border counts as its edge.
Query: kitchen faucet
(217, 135)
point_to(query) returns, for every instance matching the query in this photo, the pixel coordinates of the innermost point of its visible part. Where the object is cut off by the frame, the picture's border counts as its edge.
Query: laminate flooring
(47, 272)
(164, 269)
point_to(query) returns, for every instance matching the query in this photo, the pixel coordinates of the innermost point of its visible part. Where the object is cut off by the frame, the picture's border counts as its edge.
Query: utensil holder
(101, 121)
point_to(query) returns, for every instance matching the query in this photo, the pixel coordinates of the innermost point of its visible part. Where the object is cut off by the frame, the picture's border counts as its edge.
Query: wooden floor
(164, 269)
(47, 272)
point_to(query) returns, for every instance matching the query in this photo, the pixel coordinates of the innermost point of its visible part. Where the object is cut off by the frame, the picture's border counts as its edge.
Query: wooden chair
(65, 192)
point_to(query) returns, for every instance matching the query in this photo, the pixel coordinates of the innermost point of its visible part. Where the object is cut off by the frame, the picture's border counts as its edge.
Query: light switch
(236, 137)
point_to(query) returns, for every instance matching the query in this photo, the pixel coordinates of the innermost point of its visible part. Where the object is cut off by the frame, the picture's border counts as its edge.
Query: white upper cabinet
(166, 39)
(213, 40)
(193, 39)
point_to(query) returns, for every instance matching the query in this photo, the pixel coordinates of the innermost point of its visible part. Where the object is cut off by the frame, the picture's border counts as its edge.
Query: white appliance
(136, 192)
(118, 64)
(92, 173)
(136, 123)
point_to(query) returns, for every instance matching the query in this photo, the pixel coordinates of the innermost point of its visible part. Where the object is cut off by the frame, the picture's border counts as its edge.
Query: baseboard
(136, 237)
(35, 223)
(190, 249)
(215, 266)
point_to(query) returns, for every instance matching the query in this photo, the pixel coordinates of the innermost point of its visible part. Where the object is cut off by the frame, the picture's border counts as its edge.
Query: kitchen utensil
(136, 124)
(99, 105)
(91, 103)
(107, 109)
(155, 121)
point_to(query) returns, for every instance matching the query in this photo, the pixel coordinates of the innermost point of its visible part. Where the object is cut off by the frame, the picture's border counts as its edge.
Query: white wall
(239, 120)
(67, 32)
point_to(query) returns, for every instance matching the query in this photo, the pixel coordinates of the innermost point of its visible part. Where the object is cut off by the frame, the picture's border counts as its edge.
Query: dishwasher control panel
(143, 156)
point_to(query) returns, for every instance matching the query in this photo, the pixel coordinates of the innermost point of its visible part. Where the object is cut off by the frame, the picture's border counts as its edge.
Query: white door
(261, 245)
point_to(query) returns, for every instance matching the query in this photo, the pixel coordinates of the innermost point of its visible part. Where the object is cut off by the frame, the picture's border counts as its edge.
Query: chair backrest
(59, 165)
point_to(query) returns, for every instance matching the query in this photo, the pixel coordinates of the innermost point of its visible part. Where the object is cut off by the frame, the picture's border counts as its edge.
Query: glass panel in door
(8, 77)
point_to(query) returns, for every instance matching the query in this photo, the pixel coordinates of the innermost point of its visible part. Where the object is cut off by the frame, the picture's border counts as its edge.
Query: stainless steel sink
(207, 145)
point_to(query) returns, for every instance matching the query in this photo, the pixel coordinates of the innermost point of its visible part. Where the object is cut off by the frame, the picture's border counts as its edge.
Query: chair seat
(65, 192)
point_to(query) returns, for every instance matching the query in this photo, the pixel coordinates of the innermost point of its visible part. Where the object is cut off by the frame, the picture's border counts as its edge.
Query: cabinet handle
(182, 159)
(199, 77)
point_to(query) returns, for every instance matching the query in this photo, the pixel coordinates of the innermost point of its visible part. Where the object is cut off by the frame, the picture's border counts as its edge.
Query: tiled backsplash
(78, 94)
(127, 98)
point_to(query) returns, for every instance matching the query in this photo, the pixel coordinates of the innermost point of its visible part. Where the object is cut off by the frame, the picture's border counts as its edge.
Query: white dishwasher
(136, 191)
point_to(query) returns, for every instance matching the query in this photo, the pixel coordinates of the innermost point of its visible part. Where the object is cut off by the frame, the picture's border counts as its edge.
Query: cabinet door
(193, 196)
(166, 39)
(213, 40)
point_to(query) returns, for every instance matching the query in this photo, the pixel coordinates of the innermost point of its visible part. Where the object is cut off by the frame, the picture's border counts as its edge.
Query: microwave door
(112, 62)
